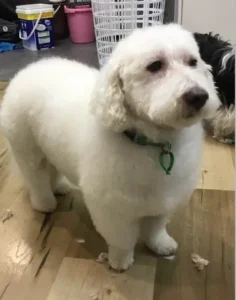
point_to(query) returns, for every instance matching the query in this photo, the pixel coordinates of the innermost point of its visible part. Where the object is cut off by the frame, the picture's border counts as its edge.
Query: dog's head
(155, 75)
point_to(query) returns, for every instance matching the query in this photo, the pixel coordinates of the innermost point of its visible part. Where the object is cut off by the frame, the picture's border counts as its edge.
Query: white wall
(210, 15)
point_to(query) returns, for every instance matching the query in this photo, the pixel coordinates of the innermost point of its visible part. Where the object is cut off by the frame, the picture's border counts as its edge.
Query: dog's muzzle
(195, 98)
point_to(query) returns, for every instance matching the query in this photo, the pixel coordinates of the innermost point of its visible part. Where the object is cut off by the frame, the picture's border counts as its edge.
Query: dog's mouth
(191, 113)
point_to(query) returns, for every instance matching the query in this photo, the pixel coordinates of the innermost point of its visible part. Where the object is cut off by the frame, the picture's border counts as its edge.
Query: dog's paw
(164, 245)
(46, 206)
(62, 187)
(120, 260)
(62, 190)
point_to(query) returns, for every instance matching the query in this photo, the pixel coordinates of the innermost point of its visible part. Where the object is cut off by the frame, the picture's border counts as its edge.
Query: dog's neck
(168, 140)
(155, 133)
(158, 141)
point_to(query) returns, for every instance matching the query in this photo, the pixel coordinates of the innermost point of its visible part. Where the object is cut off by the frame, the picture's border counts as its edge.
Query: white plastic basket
(115, 19)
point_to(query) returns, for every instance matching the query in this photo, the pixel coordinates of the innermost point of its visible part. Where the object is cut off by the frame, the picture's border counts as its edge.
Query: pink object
(80, 21)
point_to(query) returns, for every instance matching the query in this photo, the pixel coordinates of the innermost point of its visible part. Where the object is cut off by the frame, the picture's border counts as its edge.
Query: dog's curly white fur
(62, 117)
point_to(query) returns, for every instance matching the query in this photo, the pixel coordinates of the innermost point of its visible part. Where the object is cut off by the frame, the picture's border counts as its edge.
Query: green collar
(165, 149)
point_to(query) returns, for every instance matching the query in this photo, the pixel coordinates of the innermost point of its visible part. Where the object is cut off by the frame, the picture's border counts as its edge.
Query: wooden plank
(88, 280)
(32, 248)
(217, 167)
(233, 155)
(206, 227)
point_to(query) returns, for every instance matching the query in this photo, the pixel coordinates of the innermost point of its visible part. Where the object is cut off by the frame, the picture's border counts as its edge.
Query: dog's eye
(155, 66)
(192, 62)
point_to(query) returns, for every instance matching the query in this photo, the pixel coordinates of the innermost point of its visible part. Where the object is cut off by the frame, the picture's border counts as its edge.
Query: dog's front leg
(156, 237)
(121, 235)
(120, 259)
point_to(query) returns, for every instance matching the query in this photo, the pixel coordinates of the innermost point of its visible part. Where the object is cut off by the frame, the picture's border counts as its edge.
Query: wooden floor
(53, 256)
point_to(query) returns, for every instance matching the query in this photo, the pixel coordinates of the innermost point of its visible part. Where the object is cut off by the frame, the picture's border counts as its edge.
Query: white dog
(112, 133)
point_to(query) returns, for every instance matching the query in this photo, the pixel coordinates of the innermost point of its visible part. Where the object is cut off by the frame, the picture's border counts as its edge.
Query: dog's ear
(207, 70)
(108, 98)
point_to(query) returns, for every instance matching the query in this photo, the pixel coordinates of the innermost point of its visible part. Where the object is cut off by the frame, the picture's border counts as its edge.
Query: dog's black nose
(196, 97)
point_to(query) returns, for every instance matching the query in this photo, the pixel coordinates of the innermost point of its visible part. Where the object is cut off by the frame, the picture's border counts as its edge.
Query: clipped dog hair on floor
(220, 55)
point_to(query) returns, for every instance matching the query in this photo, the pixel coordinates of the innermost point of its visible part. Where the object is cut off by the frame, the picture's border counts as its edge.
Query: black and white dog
(221, 56)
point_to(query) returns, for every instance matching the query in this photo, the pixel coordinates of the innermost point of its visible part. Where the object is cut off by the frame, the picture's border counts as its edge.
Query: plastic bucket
(36, 26)
(80, 21)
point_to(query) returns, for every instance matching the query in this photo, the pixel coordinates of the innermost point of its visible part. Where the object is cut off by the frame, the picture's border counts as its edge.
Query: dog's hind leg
(36, 171)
